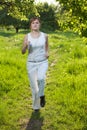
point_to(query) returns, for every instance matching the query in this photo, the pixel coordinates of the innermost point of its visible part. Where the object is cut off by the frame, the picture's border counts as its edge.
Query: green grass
(66, 84)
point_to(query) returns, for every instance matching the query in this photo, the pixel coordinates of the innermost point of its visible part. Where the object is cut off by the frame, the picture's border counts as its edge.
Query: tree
(75, 13)
(47, 15)
(18, 8)
(13, 12)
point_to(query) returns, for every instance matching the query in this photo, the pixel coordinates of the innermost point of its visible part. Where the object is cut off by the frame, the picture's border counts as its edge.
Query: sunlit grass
(66, 90)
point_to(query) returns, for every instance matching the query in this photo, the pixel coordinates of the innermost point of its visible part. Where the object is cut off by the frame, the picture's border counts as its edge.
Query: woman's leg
(42, 69)
(34, 86)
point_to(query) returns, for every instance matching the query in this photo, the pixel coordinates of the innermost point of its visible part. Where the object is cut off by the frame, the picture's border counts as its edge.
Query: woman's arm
(47, 47)
(25, 44)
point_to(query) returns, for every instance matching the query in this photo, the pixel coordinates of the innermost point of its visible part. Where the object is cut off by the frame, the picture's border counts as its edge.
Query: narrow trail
(35, 122)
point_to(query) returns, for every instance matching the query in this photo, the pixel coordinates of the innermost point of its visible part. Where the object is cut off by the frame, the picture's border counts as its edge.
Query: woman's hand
(25, 44)
(46, 47)
(47, 55)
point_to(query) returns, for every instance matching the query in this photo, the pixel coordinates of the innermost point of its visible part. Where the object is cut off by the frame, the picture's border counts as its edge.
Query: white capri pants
(37, 74)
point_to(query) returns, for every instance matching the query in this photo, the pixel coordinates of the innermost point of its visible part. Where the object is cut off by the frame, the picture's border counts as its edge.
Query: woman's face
(35, 25)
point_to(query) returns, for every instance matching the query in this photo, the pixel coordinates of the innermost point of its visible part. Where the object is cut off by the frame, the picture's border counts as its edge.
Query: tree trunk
(17, 29)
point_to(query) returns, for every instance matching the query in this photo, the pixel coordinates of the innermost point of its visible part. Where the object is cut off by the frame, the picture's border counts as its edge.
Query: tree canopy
(17, 8)
(18, 13)
(72, 14)
(75, 14)
(14, 12)
(47, 15)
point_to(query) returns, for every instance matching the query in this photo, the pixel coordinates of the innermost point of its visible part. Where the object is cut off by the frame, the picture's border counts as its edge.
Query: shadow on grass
(35, 122)
(7, 34)
(11, 33)
(85, 125)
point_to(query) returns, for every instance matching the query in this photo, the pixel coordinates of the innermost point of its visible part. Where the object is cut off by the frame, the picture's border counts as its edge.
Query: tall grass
(66, 91)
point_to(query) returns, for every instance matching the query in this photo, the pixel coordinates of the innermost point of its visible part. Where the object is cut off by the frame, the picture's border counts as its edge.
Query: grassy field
(66, 84)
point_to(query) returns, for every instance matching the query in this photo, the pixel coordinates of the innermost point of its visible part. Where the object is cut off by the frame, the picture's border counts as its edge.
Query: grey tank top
(36, 48)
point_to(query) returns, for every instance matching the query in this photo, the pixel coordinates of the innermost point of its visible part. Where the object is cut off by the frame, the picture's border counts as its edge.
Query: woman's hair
(34, 18)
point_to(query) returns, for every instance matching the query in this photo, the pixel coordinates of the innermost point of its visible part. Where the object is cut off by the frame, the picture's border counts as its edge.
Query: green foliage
(16, 12)
(74, 15)
(17, 8)
(48, 16)
(66, 87)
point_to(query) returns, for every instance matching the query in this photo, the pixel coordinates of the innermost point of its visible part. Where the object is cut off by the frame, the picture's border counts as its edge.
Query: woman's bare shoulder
(26, 37)
(45, 34)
